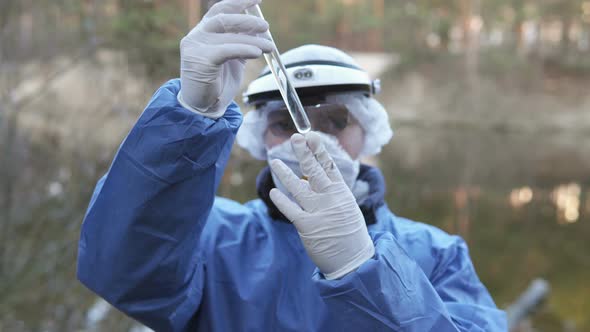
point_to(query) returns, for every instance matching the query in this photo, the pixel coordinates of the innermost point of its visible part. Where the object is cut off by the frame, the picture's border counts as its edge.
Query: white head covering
(370, 114)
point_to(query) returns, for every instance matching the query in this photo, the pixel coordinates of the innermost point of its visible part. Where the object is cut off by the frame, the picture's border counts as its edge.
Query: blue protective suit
(158, 245)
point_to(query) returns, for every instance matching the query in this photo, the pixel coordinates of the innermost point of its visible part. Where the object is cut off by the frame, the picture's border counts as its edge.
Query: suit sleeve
(139, 244)
(390, 292)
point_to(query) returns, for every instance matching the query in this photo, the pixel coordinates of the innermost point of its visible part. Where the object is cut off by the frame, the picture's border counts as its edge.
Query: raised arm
(139, 245)
(369, 281)
(390, 292)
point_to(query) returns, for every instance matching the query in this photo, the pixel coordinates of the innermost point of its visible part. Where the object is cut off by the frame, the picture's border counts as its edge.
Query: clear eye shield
(327, 112)
(329, 118)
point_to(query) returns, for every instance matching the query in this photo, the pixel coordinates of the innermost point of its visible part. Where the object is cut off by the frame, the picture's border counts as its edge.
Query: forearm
(140, 237)
(391, 292)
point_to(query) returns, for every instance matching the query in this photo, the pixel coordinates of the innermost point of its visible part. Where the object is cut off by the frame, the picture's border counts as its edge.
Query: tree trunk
(375, 38)
(320, 7)
(194, 12)
(565, 41)
(470, 10)
(466, 11)
(8, 174)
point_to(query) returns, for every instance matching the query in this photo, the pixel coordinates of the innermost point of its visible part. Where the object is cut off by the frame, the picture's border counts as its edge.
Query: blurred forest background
(489, 99)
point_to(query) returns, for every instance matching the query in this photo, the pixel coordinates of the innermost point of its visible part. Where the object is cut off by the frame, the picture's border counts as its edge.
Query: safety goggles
(331, 119)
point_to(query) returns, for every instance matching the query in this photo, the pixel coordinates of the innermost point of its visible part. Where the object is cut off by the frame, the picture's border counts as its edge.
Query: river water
(520, 200)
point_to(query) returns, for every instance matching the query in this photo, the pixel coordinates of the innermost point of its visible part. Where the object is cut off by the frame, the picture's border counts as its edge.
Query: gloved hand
(214, 53)
(325, 212)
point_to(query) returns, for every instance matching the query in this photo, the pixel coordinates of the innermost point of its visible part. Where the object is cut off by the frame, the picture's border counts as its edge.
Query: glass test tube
(286, 88)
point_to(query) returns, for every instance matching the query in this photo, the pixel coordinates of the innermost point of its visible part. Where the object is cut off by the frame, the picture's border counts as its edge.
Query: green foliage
(150, 31)
(150, 35)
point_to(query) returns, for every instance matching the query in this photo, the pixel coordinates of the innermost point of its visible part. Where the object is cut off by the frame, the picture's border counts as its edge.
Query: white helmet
(318, 70)
(313, 69)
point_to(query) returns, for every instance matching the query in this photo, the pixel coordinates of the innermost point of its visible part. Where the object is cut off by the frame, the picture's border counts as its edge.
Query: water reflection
(521, 196)
(567, 199)
(504, 204)
(511, 207)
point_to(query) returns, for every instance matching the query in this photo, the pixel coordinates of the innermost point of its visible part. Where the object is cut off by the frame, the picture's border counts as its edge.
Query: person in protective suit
(318, 251)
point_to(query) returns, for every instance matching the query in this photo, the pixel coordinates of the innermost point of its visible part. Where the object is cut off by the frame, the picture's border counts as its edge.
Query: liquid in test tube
(286, 88)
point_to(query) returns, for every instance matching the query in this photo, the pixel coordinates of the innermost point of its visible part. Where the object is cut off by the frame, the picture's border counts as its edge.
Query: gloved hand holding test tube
(286, 88)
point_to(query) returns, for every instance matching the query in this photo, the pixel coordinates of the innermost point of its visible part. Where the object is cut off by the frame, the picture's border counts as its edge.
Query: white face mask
(348, 168)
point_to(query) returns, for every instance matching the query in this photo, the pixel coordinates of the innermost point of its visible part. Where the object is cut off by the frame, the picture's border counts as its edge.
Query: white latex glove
(325, 212)
(213, 56)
